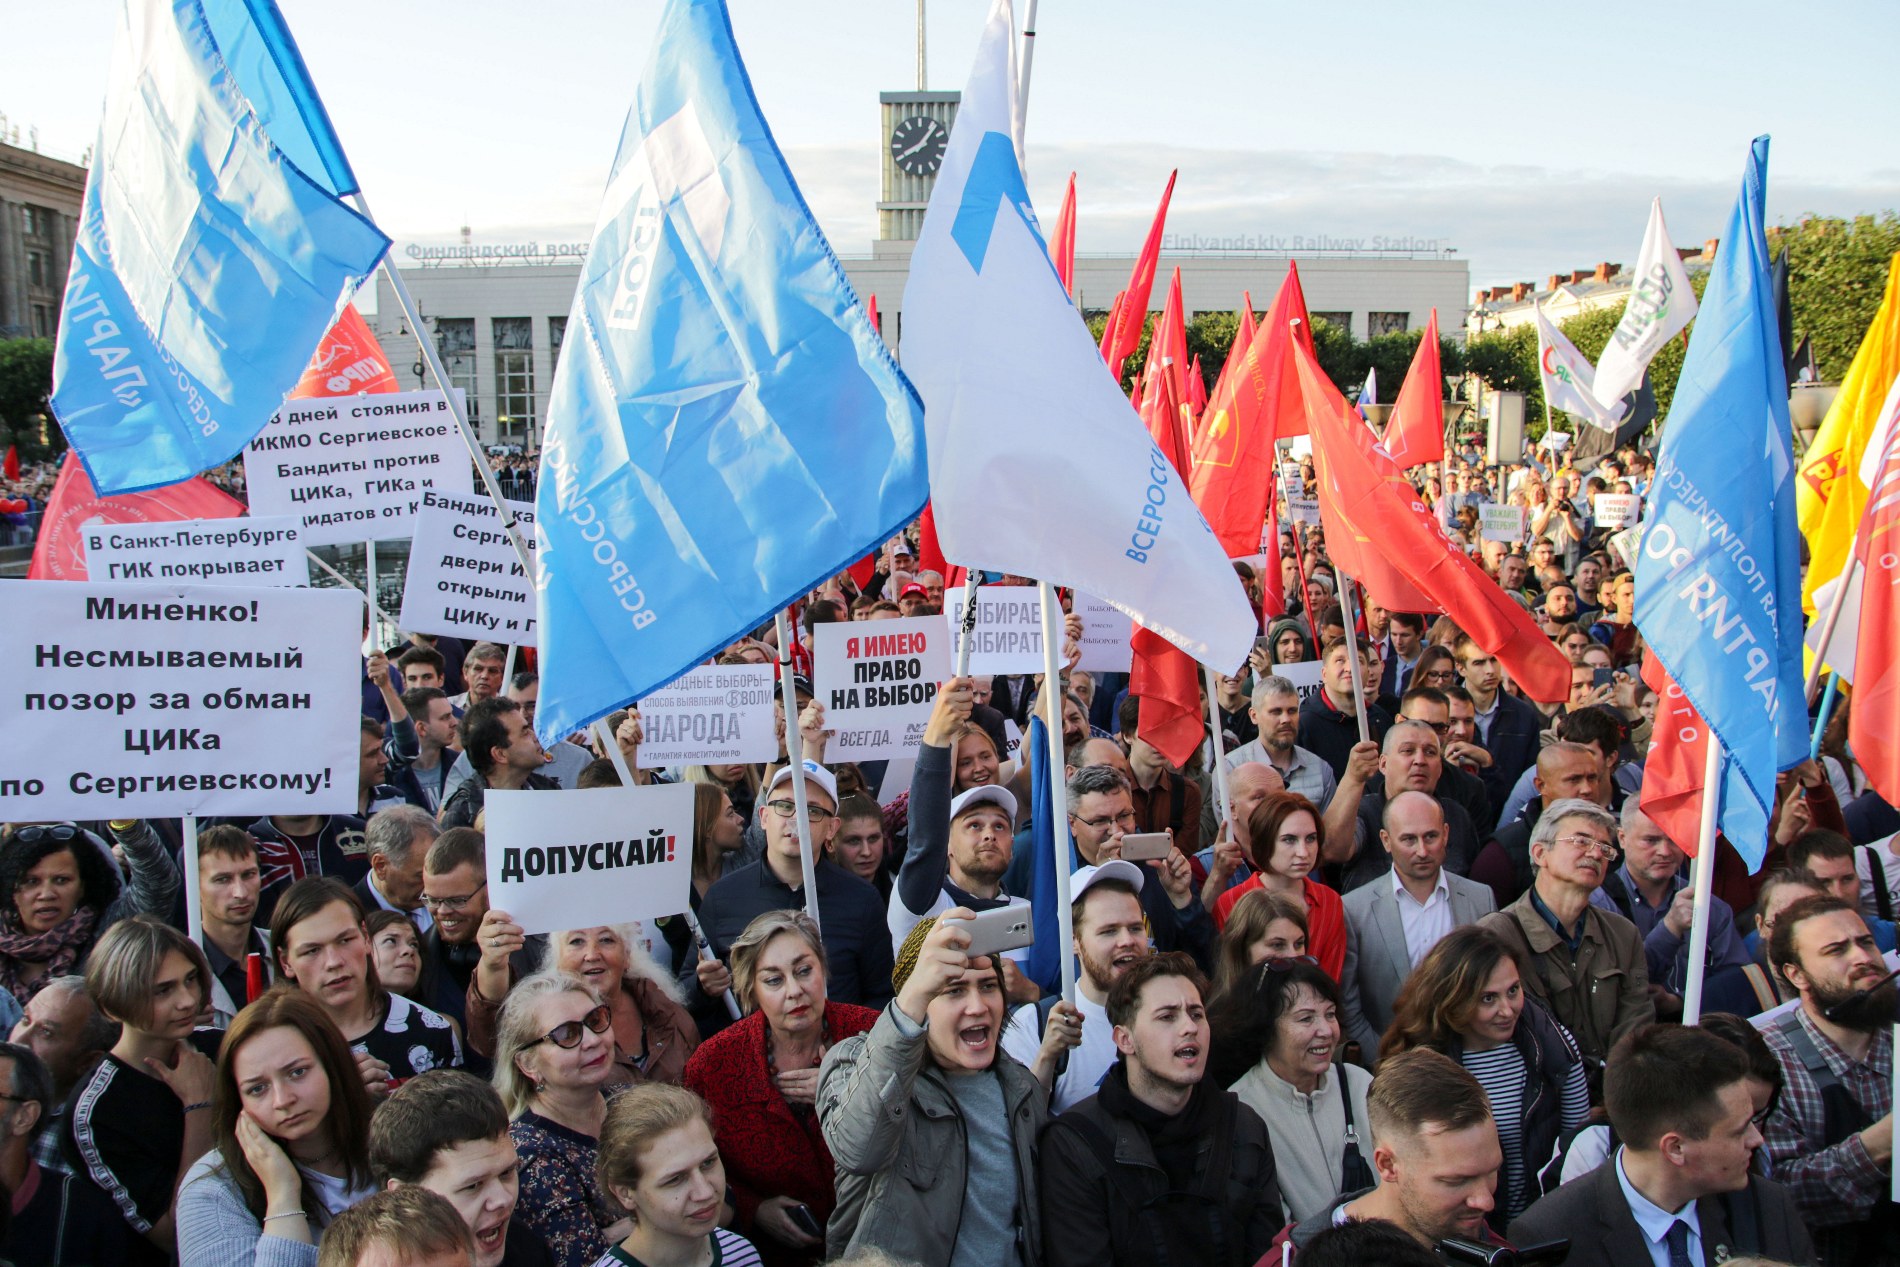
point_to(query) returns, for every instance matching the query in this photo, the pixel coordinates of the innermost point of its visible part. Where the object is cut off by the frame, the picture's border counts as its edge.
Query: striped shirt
(1501, 1073)
(729, 1250)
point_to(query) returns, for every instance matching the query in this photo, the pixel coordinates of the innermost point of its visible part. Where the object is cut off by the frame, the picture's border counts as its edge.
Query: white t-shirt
(1089, 1061)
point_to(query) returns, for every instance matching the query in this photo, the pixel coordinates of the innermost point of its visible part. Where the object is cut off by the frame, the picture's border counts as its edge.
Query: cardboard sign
(1008, 634)
(1303, 510)
(878, 682)
(1304, 676)
(207, 551)
(1497, 522)
(464, 576)
(128, 701)
(712, 715)
(1106, 632)
(1616, 510)
(353, 468)
(559, 860)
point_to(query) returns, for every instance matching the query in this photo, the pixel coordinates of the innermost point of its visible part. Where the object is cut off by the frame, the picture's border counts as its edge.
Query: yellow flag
(1828, 494)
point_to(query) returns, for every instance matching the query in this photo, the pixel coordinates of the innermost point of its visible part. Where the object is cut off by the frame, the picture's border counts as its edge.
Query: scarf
(58, 948)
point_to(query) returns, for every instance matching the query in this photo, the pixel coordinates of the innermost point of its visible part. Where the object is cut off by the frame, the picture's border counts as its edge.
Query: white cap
(984, 794)
(814, 773)
(1113, 869)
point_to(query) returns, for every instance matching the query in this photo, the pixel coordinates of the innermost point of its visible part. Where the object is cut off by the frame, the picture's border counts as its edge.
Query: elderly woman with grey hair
(1585, 964)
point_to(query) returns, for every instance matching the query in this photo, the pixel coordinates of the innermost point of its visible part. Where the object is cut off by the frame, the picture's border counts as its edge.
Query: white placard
(1012, 741)
(1499, 522)
(1008, 635)
(1106, 632)
(464, 576)
(267, 551)
(1303, 510)
(712, 715)
(352, 468)
(1292, 482)
(878, 682)
(560, 860)
(1557, 441)
(1304, 676)
(127, 701)
(1615, 510)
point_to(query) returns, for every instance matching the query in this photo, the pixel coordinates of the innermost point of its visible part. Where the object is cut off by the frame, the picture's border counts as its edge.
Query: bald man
(1564, 770)
(1411, 759)
(1393, 923)
(1225, 861)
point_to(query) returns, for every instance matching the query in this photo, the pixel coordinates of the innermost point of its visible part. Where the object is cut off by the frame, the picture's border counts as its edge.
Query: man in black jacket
(1508, 728)
(1329, 724)
(1158, 1166)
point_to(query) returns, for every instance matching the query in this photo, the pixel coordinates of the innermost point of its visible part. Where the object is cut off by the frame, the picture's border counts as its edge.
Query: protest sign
(264, 551)
(712, 715)
(1558, 441)
(464, 576)
(1615, 510)
(1008, 634)
(1498, 522)
(595, 856)
(352, 468)
(1106, 632)
(1304, 676)
(1292, 483)
(128, 701)
(1303, 510)
(878, 682)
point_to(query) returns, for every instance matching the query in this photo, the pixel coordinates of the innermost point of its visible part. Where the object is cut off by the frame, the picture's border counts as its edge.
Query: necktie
(1678, 1241)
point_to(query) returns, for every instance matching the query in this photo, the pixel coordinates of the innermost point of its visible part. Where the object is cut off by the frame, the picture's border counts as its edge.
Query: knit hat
(907, 953)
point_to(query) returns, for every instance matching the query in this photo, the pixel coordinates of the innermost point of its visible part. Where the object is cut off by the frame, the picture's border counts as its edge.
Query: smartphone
(1603, 677)
(802, 1219)
(1000, 928)
(1146, 846)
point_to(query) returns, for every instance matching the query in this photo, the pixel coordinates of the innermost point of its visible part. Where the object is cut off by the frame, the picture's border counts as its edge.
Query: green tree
(1836, 279)
(26, 379)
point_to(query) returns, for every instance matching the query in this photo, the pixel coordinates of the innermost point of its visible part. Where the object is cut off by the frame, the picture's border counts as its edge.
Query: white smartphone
(1146, 846)
(1000, 928)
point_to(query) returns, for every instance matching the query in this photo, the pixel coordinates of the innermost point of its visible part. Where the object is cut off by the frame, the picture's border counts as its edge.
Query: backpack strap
(1757, 978)
(1877, 872)
(1619, 893)
(1177, 802)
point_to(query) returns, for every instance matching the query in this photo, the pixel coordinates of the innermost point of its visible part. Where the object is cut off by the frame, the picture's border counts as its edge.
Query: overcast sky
(1528, 136)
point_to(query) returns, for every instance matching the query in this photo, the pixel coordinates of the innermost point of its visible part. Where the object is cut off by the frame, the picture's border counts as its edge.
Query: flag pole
(795, 757)
(194, 909)
(1222, 797)
(1820, 723)
(619, 758)
(1029, 53)
(348, 584)
(369, 584)
(967, 626)
(1352, 652)
(1052, 718)
(1704, 880)
(1833, 618)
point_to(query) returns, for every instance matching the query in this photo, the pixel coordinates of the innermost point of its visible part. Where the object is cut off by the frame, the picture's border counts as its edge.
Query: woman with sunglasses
(64, 894)
(554, 1057)
(1282, 1032)
(1466, 1000)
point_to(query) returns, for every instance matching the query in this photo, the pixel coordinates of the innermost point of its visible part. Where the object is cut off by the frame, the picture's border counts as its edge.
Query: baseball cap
(913, 588)
(1113, 869)
(903, 547)
(801, 685)
(984, 794)
(814, 773)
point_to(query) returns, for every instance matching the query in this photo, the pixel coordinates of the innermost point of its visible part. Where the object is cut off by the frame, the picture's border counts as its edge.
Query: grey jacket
(1377, 962)
(896, 1136)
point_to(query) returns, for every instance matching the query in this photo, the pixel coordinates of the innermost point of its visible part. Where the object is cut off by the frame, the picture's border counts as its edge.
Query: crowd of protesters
(1415, 998)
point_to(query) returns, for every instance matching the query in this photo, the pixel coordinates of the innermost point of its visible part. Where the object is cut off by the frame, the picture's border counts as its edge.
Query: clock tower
(915, 129)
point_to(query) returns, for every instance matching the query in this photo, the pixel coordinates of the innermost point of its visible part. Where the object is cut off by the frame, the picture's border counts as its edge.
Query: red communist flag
(1196, 390)
(1160, 410)
(1383, 535)
(1416, 430)
(59, 554)
(348, 361)
(1233, 457)
(1167, 682)
(1872, 724)
(1236, 352)
(1124, 324)
(11, 468)
(1062, 240)
(1166, 366)
(1678, 759)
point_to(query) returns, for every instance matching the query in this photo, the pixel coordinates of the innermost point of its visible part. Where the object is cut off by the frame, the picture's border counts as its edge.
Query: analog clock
(917, 145)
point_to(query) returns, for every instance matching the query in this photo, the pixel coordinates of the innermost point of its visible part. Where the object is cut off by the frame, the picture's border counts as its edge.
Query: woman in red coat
(1287, 836)
(761, 1078)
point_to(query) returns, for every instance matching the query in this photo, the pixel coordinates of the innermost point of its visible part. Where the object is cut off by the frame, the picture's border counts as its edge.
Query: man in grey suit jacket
(1679, 1189)
(1392, 922)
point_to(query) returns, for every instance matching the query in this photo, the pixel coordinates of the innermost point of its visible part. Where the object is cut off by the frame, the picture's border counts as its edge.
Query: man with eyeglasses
(455, 891)
(1101, 812)
(57, 1217)
(850, 912)
(1582, 962)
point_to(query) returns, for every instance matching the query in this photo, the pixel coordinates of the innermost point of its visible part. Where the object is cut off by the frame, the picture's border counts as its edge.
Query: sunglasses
(57, 832)
(1287, 963)
(567, 1035)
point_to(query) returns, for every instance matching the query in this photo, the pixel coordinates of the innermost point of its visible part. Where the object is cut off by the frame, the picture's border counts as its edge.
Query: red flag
(59, 554)
(1167, 365)
(1383, 535)
(1167, 682)
(1196, 388)
(1124, 326)
(11, 468)
(1161, 411)
(1114, 316)
(1236, 352)
(1234, 458)
(930, 554)
(871, 307)
(1871, 724)
(348, 361)
(1416, 431)
(1272, 588)
(1062, 240)
(1678, 759)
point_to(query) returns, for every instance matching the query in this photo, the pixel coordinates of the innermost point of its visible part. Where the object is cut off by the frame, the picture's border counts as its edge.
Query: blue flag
(1718, 582)
(725, 429)
(1045, 956)
(213, 249)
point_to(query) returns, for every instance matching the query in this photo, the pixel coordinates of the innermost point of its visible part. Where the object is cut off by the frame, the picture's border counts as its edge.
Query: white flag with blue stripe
(213, 250)
(726, 429)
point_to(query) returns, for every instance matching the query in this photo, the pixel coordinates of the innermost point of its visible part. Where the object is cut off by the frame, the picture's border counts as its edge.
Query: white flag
(1661, 304)
(1038, 464)
(1568, 377)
